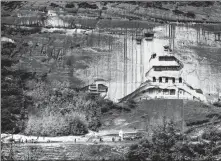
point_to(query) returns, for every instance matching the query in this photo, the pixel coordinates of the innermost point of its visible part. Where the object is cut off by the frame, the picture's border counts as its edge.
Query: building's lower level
(151, 90)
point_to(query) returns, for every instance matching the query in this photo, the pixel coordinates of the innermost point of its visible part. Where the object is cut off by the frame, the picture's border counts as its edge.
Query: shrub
(11, 5)
(159, 148)
(33, 30)
(4, 156)
(126, 108)
(87, 5)
(77, 124)
(192, 15)
(212, 134)
(107, 105)
(166, 145)
(94, 124)
(200, 3)
(217, 104)
(104, 8)
(104, 109)
(131, 104)
(54, 124)
(164, 139)
(140, 151)
(54, 5)
(70, 5)
(60, 102)
(12, 87)
(162, 147)
(178, 12)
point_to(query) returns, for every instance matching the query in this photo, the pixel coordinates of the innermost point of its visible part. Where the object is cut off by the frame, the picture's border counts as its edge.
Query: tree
(164, 139)
(13, 98)
(164, 145)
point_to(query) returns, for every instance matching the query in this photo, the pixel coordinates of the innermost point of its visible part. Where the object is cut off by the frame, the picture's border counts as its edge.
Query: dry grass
(151, 113)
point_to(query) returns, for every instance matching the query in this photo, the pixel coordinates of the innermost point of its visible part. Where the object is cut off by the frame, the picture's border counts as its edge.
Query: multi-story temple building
(164, 80)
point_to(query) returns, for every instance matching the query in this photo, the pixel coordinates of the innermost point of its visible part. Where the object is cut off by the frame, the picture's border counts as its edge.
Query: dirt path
(102, 137)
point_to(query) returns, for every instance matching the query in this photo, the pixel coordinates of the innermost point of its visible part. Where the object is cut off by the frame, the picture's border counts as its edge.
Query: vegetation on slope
(217, 104)
(168, 144)
(39, 96)
(14, 102)
(34, 105)
(62, 111)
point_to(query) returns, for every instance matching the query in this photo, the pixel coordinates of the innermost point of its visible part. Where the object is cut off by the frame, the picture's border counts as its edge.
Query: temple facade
(163, 80)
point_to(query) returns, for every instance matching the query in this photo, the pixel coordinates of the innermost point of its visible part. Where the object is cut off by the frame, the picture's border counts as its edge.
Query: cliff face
(70, 45)
(199, 51)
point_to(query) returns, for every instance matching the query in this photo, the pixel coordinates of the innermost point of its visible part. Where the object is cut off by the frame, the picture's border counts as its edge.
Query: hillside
(150, 113)
(49, 48)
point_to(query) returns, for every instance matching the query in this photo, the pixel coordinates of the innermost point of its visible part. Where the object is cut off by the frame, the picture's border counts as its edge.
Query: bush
(59, 101)
(7, 156)
(159, 148)
(104, 109)
(94, 124)
(164, 139)
(54, 5)
(131, 104)
(70, 5)
(104, 8)
(166, 145)
(11, 5)
(87, 5)
(12, 87)
(55, 124)
(107, 105)
(217, 104)
(212, 134)
(200, 3)
(77, 124)
(192, 15)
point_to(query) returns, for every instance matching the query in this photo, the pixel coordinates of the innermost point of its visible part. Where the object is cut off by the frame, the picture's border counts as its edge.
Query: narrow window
(172, 92)
(160, 79)
(154, 79)
(166, 80)
(173, 80)
(180, 80)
